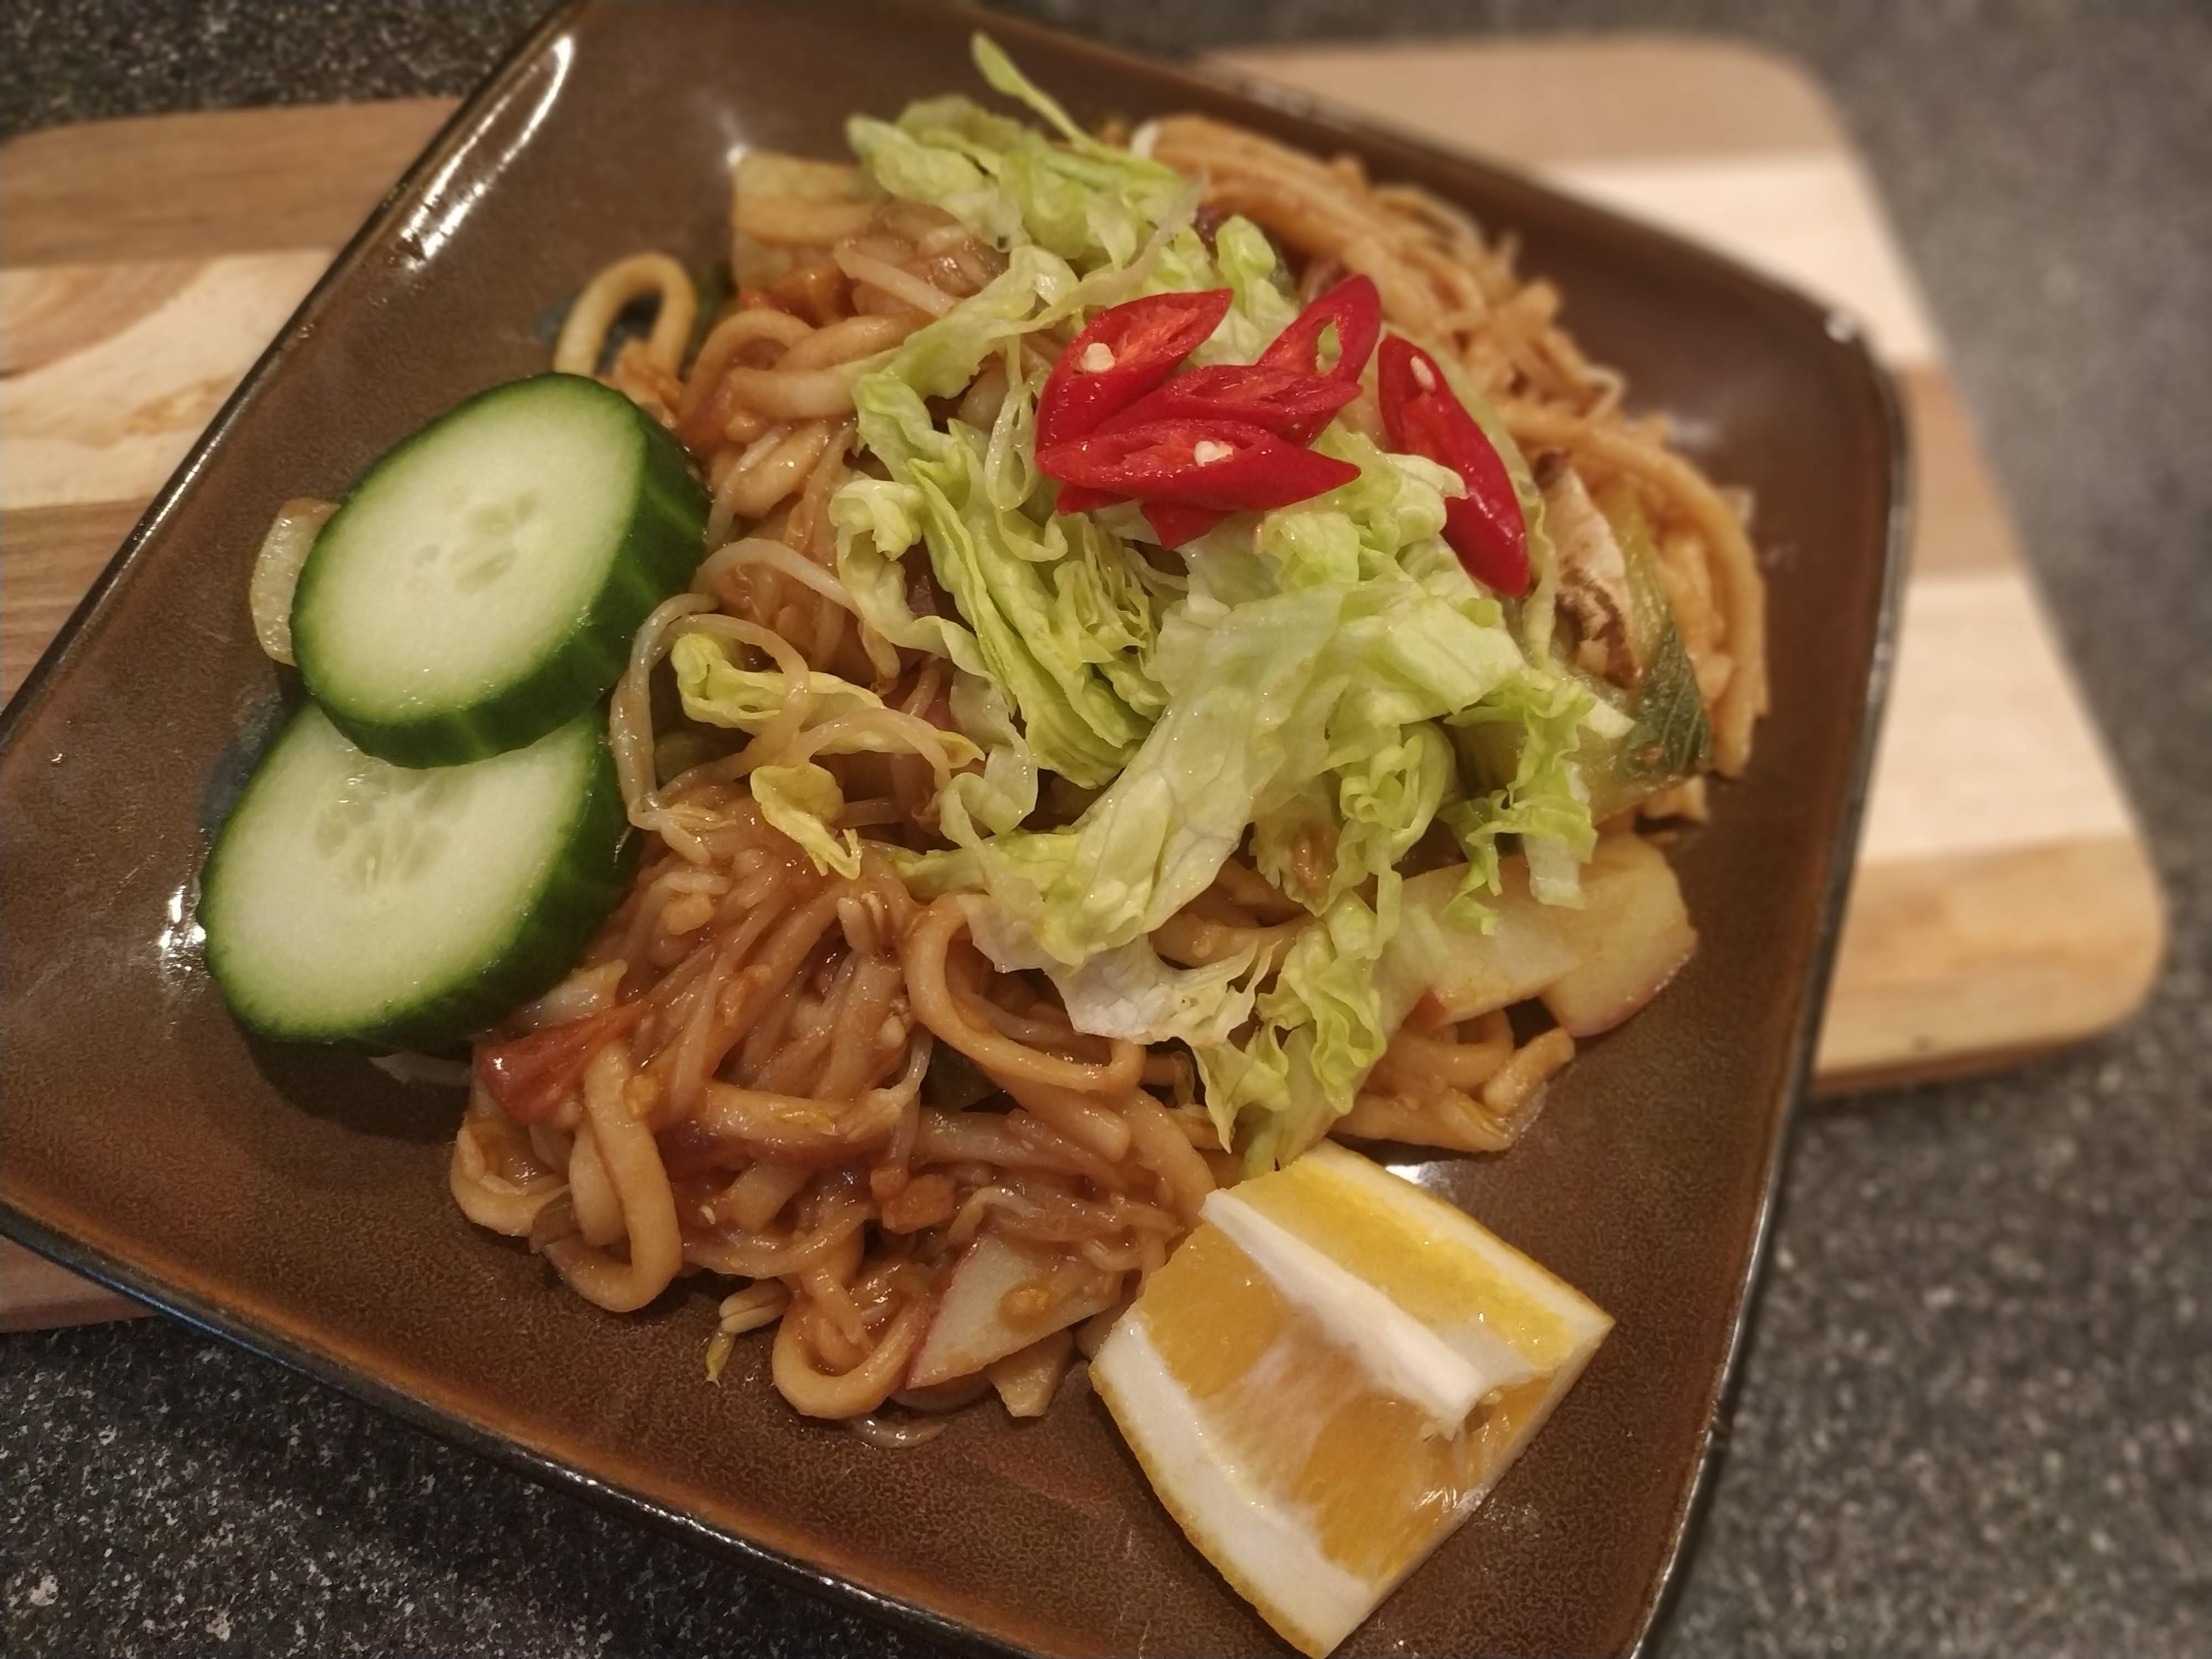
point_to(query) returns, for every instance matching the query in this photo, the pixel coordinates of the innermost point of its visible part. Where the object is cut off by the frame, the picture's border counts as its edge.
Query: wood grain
(148, 260)
(1959, 522)
(2037, 947)
(48, 556)
(1653, 97)
(211, 183)
(36, 1295)
(110, 420)
(53, 311)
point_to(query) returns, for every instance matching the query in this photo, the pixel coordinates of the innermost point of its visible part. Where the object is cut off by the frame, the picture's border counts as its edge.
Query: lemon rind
(1253, 1537)
(1582, 1322)
(1249, 1535)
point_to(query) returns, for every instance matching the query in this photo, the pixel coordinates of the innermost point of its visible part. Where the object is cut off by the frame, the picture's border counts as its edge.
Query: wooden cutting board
(2005, 903)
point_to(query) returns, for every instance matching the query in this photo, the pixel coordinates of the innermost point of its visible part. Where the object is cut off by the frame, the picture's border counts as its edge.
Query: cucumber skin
(590, 877)
(665, 542)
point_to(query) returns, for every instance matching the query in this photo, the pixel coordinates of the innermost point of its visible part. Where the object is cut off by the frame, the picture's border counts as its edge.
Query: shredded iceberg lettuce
(1127, 992)
(1523, 738)
(717, 692)
(1324, 680)
(1245, 686)
(1087, 202)
(804, 801)
(1010, 575)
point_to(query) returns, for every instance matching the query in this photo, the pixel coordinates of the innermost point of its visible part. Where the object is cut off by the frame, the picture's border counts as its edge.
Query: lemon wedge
(1329, 1375)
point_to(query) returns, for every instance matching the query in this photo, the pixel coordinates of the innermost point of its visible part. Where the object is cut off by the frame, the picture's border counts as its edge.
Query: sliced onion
(422, 1071)
(586, 991)
(276, 570)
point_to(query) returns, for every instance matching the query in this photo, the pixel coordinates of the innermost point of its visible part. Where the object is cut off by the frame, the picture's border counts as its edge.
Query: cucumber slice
(348, 900)
(480, 584)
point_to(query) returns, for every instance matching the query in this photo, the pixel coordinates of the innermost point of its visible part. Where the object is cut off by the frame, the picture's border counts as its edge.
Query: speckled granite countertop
(1978, 1417)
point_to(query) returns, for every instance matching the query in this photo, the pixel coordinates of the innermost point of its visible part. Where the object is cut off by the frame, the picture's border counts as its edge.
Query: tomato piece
(529, 1076)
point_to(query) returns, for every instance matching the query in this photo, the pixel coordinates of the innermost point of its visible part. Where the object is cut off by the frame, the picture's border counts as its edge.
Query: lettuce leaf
(1524, 735)
(999, 69)
(1344, 989)
(1324, 1023)
(1088, 202)
(937, 360)
(877, 520)
(1263, 308)
(1263, 1094)
(1325, 678)
(1048, 613)
(974, 803)
(1387, 797)
(801, 800)
(717, 692)
(922, 166)
(1010, 469)
(1327, 982)
(1240, 685)
(1127, 992)
(1294, 842)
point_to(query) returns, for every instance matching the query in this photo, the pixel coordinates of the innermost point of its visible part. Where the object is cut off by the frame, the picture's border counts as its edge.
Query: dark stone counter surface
(1978, 1419)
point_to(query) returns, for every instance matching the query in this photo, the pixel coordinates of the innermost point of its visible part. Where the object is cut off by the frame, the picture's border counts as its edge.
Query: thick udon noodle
(759, 1031)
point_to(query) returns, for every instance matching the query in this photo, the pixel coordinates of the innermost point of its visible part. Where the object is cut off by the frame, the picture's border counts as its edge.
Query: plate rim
(211, 1317)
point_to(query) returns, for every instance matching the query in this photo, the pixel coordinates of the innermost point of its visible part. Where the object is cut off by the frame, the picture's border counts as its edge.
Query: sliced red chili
(1356, 310)
(1398, 385)
(1121, 355)
(1293, 404)
(1422, 416)
(1175, 523)
(1212, 464)
(531, 1075)
(1486, 527)
(1074, 498)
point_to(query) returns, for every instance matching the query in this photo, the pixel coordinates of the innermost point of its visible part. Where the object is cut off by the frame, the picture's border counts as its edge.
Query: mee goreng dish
(941, 771)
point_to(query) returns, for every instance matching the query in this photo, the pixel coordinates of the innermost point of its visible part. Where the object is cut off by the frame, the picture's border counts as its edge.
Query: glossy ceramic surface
(296, 1201)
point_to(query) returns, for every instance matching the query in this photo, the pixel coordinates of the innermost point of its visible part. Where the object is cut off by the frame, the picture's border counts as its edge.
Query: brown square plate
(296, 1202)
